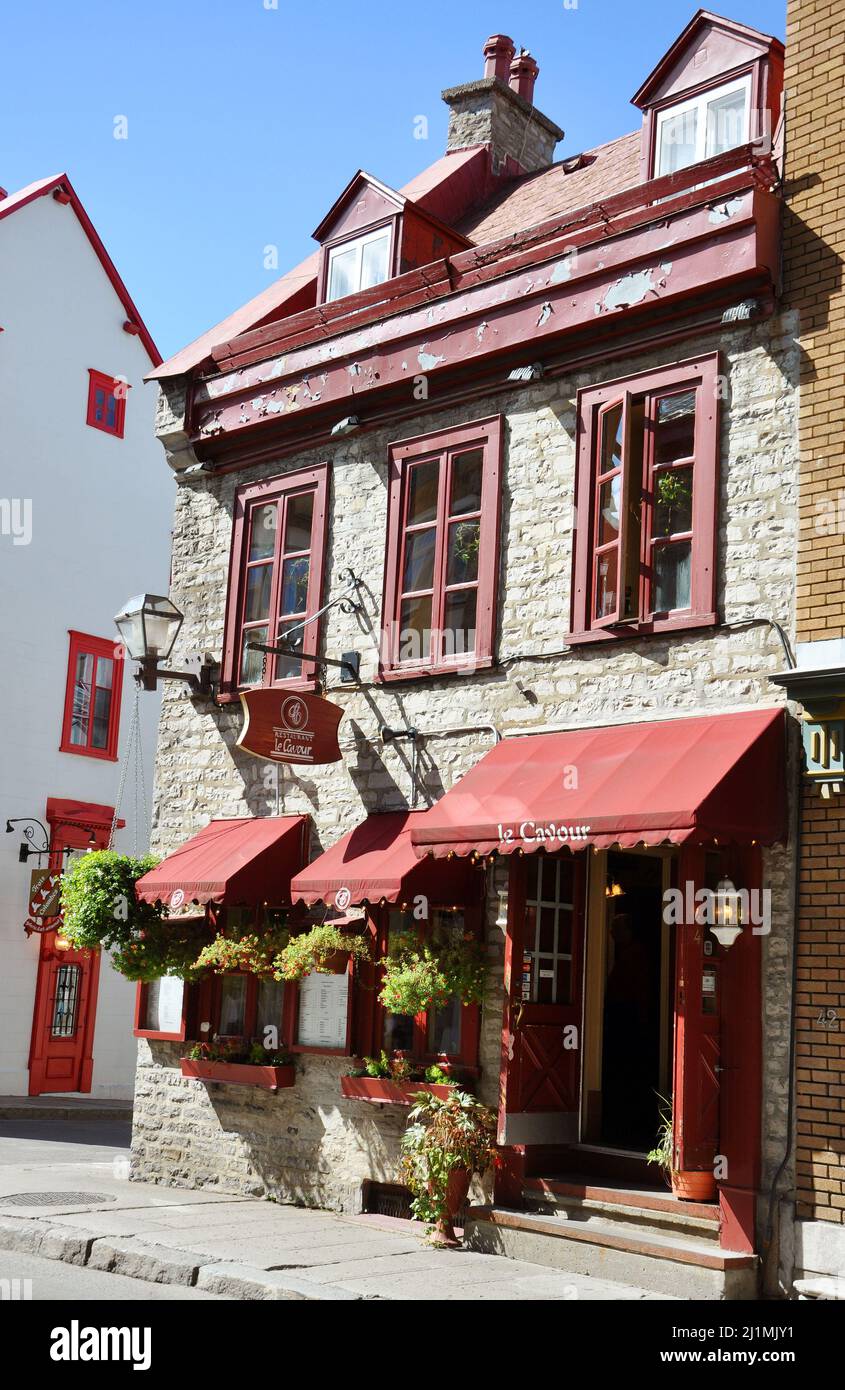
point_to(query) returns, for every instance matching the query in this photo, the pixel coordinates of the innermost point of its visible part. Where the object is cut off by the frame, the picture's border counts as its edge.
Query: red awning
(720, 778)
(231, 862)
(374, 861)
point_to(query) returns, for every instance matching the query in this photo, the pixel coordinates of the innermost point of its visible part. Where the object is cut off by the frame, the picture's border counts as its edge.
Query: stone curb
(160, 1264)
(65, 1112)
(247, 1282)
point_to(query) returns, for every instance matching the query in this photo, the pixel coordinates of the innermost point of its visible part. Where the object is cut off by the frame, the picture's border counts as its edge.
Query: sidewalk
(88, 1213)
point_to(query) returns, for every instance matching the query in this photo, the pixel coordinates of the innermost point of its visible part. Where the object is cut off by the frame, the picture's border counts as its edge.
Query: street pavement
(189, 1242)
(32, 1278)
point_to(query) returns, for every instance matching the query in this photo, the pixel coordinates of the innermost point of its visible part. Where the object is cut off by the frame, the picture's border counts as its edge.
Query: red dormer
(373, 233)
(719, 86)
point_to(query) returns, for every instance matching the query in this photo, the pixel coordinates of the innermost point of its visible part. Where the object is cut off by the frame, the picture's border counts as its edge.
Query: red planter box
(240, 1074)
(379, 1090)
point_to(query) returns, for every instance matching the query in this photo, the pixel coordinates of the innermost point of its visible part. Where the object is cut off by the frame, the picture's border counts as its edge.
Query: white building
(84, 524)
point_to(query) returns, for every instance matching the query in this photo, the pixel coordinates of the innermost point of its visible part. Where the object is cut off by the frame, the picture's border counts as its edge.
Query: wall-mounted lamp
(61, 943)
(348, 425)
(28, 847)
(535, 372)
(614, 890)
(728, 917)
(149, 625)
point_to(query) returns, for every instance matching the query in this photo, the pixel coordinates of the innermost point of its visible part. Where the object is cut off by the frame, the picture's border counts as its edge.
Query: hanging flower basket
(325, 948)
(419, 976)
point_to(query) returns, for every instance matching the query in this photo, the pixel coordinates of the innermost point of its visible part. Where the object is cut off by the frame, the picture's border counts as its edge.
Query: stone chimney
(498, 110)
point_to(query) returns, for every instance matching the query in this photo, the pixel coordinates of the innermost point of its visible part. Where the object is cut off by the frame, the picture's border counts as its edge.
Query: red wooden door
(543, 1024)
(697, 1027)
(61, 1053)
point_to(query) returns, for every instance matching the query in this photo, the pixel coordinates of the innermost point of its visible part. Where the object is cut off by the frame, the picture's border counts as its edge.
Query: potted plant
(325, 948)
(394, 1081)
(100, 911)
(690, 1185)
(250, 953)
(419, 976)
(245, 1065)
(448, 1140)
(674, 495)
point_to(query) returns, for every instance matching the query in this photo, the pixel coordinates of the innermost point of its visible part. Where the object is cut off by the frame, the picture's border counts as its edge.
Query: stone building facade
(311, 1144)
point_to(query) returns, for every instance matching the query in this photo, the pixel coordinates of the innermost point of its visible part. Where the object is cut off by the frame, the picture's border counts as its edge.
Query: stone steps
(625, 1207)
(684, 1265)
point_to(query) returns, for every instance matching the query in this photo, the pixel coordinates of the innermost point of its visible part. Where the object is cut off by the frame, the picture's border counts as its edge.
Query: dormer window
(703, 126)
(358, 264)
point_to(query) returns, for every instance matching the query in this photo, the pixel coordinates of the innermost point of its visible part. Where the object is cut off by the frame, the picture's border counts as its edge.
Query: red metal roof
(40, 189)
(376, 861)
(231, 862)
(717, 777)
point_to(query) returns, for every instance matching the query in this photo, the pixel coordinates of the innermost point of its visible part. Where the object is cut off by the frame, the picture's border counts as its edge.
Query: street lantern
(149, 625)
(728, 918)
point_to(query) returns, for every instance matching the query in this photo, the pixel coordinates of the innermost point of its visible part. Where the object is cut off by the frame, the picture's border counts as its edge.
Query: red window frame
(638, 490)
(99, 648)
(248, 500)
(405, 455)
(392, 222)
(113, 388)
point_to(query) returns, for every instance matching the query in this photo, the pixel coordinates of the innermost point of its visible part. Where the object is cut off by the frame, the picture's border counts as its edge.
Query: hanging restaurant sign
(288, 727)
(44, 901)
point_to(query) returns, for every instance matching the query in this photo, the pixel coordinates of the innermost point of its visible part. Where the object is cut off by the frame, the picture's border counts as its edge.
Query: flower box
(240, 1074)
(381, 1090)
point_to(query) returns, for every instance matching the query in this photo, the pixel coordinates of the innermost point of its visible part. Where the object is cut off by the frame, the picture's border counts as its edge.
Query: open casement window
(358, 263)
(442, 552)
(93, 692)
(106, 403)
(446, 1037)
(275, 580)
(647, 496)
(702, 126)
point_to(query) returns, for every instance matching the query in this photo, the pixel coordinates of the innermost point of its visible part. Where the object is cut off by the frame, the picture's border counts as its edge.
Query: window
(704, 126)
(246, 1005)
(441, 1035)
(547, 944)
(646, 503)
(160, 1008)
(92, 698)
(276, 579)
(442, 551)
(359, 264)
(106, 402)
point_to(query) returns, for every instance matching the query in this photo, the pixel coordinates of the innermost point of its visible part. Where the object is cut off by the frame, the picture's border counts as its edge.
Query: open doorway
(628, 1016)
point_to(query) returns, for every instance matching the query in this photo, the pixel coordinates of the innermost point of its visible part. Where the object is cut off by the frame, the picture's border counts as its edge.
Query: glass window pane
(422, 492)
(262, 535)
(270, 996)
(289, 667)
(81, 707)
(672, 576)
(678, 141)
(459, 617)
(252, 662)
(726, 122)
(419, 560)
(610, 494)
(295, 573)
(100, 722)
(343, 272)
(99, 403)
(675, 428)
(66, 1001)
(232, 1003)
(415, 629)
(258, 579)
(611, 445)
(111, 411)
(673, 502)
(105, 668)
(444, 1028)
(548, 869)
(374, 261)
(564, 982)
(163, 1010)
(547, 929)
(464, 540)
(607, 582)
(323, 1010)
(398, 1033)
(300, 511)
(466, 482)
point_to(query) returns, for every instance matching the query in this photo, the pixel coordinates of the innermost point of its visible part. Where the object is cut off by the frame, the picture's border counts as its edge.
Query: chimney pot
(523, 75)
(498, 52)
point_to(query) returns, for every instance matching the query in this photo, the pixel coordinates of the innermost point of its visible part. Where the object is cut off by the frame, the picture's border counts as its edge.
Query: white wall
(101, 517)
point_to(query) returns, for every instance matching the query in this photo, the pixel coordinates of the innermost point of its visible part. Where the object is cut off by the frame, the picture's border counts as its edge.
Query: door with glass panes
(542, 1045)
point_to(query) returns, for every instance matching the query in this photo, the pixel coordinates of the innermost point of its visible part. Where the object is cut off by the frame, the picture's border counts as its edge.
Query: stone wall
(201, 774)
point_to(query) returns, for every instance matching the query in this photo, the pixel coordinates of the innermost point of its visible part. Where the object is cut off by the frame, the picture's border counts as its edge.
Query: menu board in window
(163, 1012)
(323, 1011)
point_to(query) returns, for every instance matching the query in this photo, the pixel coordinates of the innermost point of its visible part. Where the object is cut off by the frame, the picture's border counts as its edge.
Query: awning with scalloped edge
(233, 862)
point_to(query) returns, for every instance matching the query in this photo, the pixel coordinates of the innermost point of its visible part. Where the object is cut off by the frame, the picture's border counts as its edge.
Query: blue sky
(245, 121)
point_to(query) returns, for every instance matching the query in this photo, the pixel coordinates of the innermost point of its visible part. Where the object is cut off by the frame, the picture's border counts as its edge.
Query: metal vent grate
(53, 1199)
(387, 1199)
